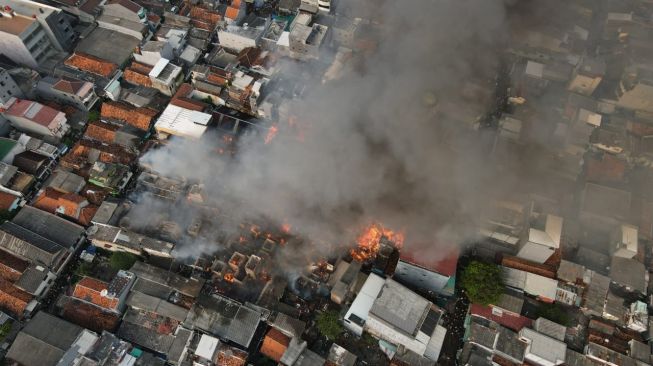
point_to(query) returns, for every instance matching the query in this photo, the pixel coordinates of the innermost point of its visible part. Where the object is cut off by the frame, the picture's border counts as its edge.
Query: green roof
(5, 146)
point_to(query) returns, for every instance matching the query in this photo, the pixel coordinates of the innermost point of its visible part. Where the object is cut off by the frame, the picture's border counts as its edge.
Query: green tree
(328, 323)
(93, 115)
(554, 313)
(482, 282)
(122, 260)
(84, 269)
(5, 329)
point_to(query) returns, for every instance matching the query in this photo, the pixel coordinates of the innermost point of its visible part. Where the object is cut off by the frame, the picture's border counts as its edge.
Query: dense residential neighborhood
(151, 151)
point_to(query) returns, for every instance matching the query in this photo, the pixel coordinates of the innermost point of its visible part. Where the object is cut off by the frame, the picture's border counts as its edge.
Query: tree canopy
(328, 323)
(122, 260)
(554, 313)
(482, 282)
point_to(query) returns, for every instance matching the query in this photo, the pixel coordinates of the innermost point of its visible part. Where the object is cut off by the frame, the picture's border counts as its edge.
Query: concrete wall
(8, 88)
(12, 46)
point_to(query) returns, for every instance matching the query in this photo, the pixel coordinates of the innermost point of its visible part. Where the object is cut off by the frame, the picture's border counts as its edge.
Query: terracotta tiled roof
(216, 79)
(48, 200)
(507, 319)
(101, 131)
(6, 200)
(12, 299)
(182, 99)
(91, 64)
(250, 56)
(235, 4)
(86, 215)
(94, 194)
(232, 13)
(92, 284)
(36, 112)
(275, 344)
(137, 78)
(639, 129)
(606, 169)
(109, 153)
(444, 265)
(201, 24)
(90, 290)
(88, 315)
(73, 205)
(528, 266)
(153, 18)
(138, 117)
(230, 356)
(67, 86)
(199, 13)
(11, 266)
(141, 68)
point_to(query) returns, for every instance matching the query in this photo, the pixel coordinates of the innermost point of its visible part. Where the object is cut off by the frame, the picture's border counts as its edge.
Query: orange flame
(229, 277)
(369, 242)
(285, 228)
(272, 132)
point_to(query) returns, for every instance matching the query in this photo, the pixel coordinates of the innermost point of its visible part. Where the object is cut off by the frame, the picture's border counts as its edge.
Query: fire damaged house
(117, 239)
(224, 318)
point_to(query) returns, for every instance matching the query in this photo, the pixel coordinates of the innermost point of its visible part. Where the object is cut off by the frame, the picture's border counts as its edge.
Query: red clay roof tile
(91, 64)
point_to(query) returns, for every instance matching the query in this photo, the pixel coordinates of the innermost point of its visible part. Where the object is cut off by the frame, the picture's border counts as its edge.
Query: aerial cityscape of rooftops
(326, 182)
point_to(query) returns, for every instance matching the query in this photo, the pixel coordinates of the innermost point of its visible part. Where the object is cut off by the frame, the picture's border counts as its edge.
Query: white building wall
(8, 88)
(12, 46)
(26, 125)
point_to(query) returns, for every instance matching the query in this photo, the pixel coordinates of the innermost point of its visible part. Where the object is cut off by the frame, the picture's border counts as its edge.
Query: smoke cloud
(390, 142)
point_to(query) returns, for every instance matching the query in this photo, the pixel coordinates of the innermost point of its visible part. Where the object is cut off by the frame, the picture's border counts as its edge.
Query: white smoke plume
(390, 142)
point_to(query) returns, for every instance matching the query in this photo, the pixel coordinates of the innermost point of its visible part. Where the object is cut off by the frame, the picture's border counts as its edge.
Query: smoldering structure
(397, 140)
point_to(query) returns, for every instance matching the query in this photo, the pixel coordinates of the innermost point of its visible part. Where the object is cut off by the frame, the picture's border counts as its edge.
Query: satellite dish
(104, 292)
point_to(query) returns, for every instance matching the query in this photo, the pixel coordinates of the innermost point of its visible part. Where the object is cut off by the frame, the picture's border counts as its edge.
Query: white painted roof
(366, 297)
(206, 347)
(540, 286)
(629, 237)
(550, 237)
(534, 69)
(182, 122)
(160, 65)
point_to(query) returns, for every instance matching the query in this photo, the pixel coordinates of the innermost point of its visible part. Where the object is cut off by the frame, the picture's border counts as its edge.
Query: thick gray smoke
(390, 142)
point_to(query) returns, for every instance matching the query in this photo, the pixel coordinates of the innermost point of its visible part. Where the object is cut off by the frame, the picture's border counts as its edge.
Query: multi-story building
(389, 311)
(305, 41)
(8, 88)
(68, 91)
(23, 39)
(54, 21)
(29, 116)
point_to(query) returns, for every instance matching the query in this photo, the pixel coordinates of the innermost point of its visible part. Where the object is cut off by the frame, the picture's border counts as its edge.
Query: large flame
(272, 132)
(369, 241)
(229, 277)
